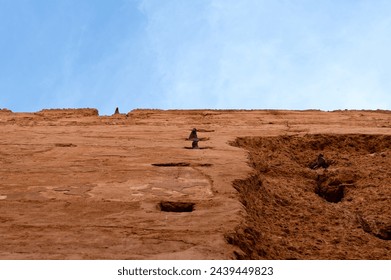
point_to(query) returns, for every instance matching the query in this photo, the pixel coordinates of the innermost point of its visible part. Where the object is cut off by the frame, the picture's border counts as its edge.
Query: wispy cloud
(271, 54)
(195, 54)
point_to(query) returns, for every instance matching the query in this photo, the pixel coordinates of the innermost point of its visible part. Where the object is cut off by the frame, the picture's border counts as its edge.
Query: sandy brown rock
(295, 212)
(76, 185)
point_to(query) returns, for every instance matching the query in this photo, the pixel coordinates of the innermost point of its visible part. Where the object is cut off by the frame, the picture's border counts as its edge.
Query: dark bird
(320, 162)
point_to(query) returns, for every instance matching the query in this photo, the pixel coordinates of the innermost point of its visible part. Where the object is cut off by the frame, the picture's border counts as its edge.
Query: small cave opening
(174, 206)
(330, 189)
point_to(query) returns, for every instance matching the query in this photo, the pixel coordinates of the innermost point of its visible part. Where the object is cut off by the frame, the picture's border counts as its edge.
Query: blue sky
(183, 54)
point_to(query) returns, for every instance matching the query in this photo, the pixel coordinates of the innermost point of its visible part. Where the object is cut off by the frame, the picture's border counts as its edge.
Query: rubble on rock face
(68, 113)
(332, 211)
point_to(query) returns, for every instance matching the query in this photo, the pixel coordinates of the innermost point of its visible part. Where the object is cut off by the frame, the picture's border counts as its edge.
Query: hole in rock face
(331, 190)
(179, 164)
(171, 164)
(377, 228)
(65, 145)
(172, 206)
(204, 164)
(199, 148)
(385, 233)
(331, 193)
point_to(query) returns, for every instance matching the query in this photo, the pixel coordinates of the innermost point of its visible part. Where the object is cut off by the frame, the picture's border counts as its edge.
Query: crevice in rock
(173, 206)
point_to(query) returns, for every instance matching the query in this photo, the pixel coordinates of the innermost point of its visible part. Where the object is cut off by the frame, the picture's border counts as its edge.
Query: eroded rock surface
(76, 185)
